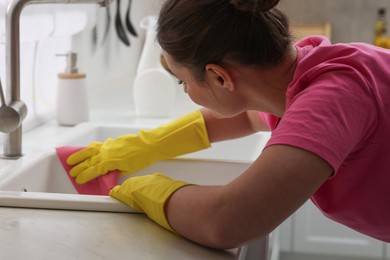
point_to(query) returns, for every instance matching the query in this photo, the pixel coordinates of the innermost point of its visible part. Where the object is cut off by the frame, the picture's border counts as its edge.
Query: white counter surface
(56, 234)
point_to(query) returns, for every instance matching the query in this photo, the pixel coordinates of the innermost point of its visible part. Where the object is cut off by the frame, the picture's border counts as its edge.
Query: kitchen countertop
(57, 234)
(60, 234)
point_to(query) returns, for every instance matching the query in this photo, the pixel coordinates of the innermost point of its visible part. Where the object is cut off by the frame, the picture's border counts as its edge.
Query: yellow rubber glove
(133, 152)
(148, 194)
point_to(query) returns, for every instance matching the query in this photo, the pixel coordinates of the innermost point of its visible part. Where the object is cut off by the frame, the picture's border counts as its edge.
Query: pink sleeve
(331, 118)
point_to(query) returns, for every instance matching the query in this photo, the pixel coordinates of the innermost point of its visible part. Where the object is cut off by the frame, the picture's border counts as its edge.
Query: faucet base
(12, 147)
(6, 157)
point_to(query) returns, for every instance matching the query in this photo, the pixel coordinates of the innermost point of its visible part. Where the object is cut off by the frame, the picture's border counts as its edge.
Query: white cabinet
(387, 252)
(316, 234)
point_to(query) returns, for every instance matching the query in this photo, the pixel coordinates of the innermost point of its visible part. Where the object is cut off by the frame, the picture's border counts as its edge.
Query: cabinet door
(314, 233)
(387, 245)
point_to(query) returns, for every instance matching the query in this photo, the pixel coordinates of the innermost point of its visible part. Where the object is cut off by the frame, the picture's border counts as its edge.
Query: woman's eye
(180, 82)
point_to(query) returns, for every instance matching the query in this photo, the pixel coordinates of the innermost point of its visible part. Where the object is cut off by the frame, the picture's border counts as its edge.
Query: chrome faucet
(12, 109)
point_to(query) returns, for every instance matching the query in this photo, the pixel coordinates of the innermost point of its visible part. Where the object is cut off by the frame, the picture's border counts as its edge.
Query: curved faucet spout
(14, 111)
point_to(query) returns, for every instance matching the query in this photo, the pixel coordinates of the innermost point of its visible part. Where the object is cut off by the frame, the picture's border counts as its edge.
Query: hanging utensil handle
(108, 23)
(2, 97)
(119, 26)
(129, 25)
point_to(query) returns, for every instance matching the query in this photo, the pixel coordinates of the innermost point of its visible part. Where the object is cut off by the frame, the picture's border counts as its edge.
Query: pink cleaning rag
(98, 186)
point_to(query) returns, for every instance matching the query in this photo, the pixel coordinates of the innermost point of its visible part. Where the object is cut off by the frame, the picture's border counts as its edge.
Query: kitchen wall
(352, 20)
(113, 59)
(50, 29)
(112, 66)
(45, 30)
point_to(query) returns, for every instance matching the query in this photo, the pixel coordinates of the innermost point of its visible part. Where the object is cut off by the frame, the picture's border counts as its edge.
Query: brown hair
(199, 32)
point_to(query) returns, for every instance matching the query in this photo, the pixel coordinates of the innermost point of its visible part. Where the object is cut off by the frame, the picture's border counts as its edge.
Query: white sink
(41, 182)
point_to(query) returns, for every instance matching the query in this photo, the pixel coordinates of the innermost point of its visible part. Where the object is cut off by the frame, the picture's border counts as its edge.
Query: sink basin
(44, 183)
(41, 182)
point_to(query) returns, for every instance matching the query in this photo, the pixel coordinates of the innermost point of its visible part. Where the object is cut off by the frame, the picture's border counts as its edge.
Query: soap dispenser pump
(72, 99)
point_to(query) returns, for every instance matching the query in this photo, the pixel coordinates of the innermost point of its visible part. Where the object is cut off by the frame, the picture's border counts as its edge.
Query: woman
(326, 105)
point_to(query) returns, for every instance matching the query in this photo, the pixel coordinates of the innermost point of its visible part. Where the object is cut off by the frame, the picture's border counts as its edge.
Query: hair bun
(254, 5)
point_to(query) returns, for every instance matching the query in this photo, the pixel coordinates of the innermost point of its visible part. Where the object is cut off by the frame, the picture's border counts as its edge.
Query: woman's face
(221, 101)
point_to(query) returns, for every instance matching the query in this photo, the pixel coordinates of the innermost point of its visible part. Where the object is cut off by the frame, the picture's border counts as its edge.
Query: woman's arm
(244, 124)
(252, 205)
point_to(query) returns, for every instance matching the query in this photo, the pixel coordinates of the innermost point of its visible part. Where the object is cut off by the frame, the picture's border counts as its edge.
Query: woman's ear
(219, 76)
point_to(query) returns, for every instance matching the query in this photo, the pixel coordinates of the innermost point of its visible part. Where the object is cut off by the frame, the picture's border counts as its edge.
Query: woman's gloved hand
(133, 152)
(148, 194)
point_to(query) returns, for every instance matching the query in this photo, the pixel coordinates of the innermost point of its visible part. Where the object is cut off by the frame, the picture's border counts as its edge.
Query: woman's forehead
(174, 67)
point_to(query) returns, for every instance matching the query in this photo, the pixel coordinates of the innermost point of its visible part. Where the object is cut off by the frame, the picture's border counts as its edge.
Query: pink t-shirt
(338, 107)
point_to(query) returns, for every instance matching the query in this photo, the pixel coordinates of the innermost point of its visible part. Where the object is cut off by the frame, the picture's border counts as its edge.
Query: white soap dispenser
(154, 93)
(72, 99)
(154, 89)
